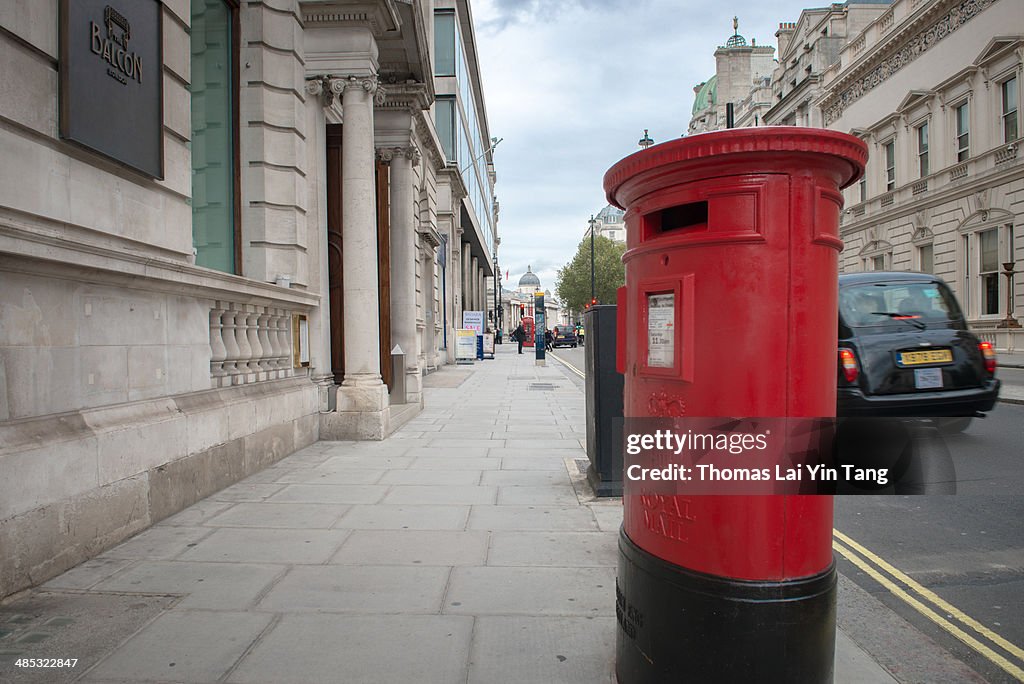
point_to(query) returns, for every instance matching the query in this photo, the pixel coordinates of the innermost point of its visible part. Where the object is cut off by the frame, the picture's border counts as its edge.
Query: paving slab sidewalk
(465, 548)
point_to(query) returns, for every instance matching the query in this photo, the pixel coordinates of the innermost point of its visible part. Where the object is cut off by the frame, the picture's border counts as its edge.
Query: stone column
(320, 319)
(362, 398)
(467, 283)
(477, 295)
(403, 268)
(481, 289)
(474, 282)
(428, 245)
(452, 289)
(428, 279)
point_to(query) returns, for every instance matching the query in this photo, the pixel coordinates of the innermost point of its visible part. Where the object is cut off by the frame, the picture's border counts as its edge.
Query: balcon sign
(111, 90)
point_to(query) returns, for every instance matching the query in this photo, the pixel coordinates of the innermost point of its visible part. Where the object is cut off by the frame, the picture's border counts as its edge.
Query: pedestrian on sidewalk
(548, 339)
(518, 336)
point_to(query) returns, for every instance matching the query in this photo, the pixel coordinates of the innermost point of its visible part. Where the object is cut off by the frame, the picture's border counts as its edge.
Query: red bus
(528, 331)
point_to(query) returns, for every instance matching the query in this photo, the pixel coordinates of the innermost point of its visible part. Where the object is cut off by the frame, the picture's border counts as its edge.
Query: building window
(963, 134)
(863, 187)
(988, 270)
(878, 262)
(1009, 89)
(890, 165)
(982, 250)
(444, 122)
(926, 258)
(214, 135)
(922, 149)
(444, 43)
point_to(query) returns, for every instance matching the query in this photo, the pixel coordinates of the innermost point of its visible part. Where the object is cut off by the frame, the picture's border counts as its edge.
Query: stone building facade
(807, 48)
(933, 87)
(740, 80)
(171, 325)
(608, 223)
(520, 302)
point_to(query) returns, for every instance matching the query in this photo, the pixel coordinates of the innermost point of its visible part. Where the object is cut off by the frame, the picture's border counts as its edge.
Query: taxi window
(889, 305)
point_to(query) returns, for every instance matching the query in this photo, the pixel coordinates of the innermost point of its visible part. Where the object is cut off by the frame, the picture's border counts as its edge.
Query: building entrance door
(335, 262)
(335, 250)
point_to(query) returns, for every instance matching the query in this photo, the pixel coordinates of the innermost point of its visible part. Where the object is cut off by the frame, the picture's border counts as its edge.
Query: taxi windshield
(886, 305)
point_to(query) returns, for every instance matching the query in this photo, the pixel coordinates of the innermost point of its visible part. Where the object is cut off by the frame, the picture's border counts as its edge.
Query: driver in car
(864, 309)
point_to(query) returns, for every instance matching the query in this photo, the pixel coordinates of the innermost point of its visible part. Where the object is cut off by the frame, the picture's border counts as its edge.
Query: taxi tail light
(988, 355)
(849, 365)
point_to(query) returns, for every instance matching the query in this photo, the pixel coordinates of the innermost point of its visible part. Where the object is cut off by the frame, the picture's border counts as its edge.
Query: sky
(570, 86)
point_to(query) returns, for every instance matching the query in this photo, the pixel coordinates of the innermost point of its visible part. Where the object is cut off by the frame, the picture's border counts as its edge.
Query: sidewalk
(463, 549)
(1010, 393)
(1010, 359)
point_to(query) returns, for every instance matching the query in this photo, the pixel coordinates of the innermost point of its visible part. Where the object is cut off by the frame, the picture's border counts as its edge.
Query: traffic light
(522, 310)
(593, 301)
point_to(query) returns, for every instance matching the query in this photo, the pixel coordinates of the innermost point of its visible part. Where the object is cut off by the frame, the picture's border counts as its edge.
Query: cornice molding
(875, 246)
(898, 51)
(380, 16)
(428, 140)
(411, 96)
(451, 172)
(430, 237)
(923, 235)
(974, 190)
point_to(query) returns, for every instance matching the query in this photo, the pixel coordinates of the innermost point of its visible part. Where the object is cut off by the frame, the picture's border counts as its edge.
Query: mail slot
(729, 310)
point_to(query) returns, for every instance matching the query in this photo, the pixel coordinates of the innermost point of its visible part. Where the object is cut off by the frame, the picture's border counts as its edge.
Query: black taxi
(905, 351)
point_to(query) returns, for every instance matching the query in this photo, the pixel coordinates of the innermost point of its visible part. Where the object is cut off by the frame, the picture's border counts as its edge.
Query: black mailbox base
(603, 487)
(676, 625)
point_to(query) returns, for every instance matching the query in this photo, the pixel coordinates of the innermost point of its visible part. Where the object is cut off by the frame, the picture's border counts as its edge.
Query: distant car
(564, 337)
(905, 351)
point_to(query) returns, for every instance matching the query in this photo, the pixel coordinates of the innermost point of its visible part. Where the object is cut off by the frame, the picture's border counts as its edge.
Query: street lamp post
(497, 296)
(592, 287)
(1009, 321)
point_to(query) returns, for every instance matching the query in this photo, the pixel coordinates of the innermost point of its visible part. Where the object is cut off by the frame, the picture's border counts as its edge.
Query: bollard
(604, 402)
(398, 375)
(730, 310)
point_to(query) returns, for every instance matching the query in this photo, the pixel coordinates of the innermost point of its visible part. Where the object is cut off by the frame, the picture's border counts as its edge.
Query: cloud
(504, 13)
(572, 85)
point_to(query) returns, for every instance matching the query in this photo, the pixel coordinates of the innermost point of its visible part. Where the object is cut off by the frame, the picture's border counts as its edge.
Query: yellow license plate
(918, 358)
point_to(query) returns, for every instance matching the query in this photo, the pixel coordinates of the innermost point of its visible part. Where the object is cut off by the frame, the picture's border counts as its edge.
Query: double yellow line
(568, 365)
(917, 597)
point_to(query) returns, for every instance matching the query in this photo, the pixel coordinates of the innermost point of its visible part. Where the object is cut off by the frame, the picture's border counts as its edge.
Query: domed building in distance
(742, 77)
(520, 302)
(529, 283)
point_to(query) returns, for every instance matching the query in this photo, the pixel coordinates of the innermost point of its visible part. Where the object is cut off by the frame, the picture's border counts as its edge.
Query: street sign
(540, 323)
(465, 345)
(473, 320)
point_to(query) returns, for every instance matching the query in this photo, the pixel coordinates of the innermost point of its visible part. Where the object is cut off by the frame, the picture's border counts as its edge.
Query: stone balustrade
(1006, 154)
(991, 161)
(249, 343)
(887, 21)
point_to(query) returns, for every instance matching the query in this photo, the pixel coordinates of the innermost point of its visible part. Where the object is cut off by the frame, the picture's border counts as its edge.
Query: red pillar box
(732, 253)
